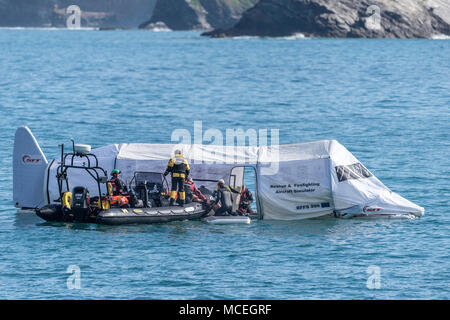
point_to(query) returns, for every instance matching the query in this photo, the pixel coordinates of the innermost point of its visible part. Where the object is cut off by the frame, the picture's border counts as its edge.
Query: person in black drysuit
(223, 195)
(245, 202)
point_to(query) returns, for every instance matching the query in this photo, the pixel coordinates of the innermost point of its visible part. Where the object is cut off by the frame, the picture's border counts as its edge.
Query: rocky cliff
(25, 13)
(343, 18)
(98, 13)
(197, 14)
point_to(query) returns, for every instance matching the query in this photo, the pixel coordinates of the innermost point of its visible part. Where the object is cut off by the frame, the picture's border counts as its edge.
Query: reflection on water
(25, 219)
(321, 226)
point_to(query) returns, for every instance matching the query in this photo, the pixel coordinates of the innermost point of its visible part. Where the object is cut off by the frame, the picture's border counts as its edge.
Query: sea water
(387, 101)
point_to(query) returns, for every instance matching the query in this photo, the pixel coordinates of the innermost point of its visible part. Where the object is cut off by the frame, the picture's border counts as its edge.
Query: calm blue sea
(387, 101)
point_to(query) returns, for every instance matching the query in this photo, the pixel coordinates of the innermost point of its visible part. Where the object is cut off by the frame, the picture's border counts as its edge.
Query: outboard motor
(80, 204)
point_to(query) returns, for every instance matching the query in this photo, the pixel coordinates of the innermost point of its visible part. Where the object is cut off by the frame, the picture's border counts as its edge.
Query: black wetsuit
(226, 202)
(245, 203)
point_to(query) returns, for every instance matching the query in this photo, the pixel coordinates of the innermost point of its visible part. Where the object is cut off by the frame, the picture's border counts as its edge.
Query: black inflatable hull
(121, 216)
(50, 213)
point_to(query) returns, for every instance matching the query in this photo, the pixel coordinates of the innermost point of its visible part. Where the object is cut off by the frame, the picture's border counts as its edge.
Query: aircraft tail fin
(29, 166)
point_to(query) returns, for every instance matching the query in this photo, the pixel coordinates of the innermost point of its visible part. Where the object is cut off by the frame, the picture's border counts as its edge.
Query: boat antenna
(62, 151)
(73, 144)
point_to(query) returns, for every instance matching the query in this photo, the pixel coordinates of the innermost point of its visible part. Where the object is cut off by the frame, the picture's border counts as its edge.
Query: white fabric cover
(369, 194)
(308, 184)
(294, 181)
(206, 162)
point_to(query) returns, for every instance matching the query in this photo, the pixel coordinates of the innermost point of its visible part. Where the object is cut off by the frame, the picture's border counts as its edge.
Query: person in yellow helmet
(178, 166)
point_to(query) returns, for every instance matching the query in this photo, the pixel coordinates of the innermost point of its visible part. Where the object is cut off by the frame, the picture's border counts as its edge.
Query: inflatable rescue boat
(145, 202)
(120, 216)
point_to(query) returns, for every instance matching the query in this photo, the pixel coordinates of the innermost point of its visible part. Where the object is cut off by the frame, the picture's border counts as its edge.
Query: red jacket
(194, 190)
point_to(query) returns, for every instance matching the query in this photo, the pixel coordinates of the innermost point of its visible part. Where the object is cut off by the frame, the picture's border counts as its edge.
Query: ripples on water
(387, 101)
